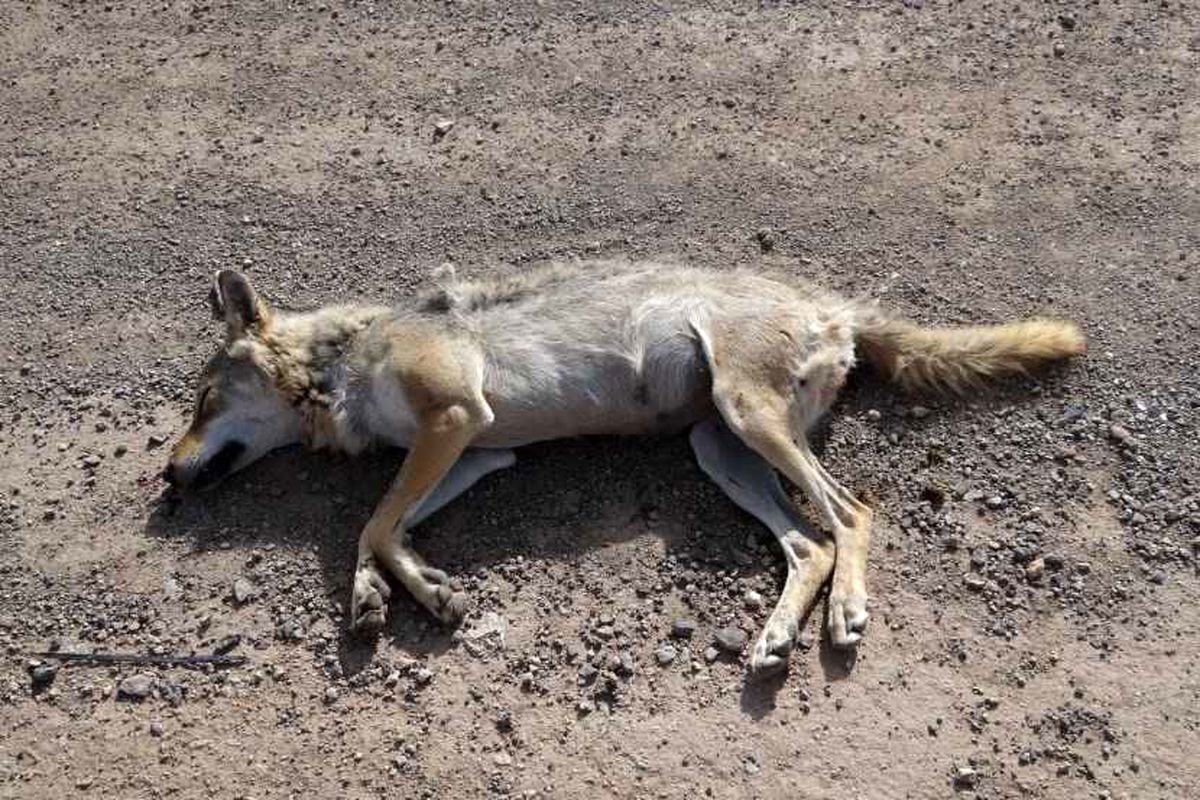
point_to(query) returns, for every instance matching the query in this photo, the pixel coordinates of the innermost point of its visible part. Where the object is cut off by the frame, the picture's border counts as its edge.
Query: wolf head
(245, 403)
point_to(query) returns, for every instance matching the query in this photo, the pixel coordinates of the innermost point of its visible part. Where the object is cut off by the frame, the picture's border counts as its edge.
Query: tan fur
(958, 360)
(606, 348)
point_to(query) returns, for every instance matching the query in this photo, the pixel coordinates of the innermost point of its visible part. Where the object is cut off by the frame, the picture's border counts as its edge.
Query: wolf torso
(595, 349)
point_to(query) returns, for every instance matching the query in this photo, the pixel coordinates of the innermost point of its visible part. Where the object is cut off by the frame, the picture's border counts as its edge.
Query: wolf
(470, 369)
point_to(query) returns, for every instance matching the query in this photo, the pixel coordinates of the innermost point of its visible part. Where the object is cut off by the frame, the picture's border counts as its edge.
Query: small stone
(965, 777)
(331, 695)
(753, 600)
(155, 440)
(171, 692)
(91, 462)
(974, 582)
(766, 239)
(424, 676)
(683, 628)
(289, 630)
(442, 127)
(1067, 21)
(136, 687)
(664, 655)
(156, 728)
(42, 675)
(626, 664)
(1158, 576)
(711, 654)
(995, 501)
(587, 672)
(502, 759)
(1034, 570)
(1121, 434)
(919, 412)
(730, 639)
(585, 707)
(120, 450)
(243, 591)
(1060, 49)
(873, 415)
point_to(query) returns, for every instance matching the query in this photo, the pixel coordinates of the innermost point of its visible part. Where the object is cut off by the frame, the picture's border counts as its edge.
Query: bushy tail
(958, 360)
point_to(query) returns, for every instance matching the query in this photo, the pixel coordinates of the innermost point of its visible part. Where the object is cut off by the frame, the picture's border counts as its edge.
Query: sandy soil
(1034, 573)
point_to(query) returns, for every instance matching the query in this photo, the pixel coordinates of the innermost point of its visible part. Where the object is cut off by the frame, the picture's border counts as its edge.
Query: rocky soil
(1034, 573)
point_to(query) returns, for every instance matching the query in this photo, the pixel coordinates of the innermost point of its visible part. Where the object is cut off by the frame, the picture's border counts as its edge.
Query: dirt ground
(1034, 566)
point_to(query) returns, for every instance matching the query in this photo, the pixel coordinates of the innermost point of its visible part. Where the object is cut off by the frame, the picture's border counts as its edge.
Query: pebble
(919, 412)
(243, 591)
(1034, 569)
(136, 687)
(1121, 434)
(423, 676)
(730, 639)
(995, 501)
(710, 654)
(683, 628)
(965, 777)
(664, 655)
(443, 126)
(289, 630)
(42, 675)
(156, 728)
(974, 582)
(753, 600)
(331, 695)
(873, 415)
(766, 239)
(155, 440)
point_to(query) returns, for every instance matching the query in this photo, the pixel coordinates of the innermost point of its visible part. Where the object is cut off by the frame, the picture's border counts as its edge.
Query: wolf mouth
(219, 465)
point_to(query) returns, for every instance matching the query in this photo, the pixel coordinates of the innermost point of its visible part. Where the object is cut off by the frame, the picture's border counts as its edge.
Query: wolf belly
(647, 374)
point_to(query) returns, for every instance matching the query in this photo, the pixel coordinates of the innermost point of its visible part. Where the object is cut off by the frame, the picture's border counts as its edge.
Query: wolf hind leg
(371, 590)
(750, 481)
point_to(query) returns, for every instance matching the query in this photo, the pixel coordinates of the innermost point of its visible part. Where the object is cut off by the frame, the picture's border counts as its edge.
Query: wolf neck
(311, 353)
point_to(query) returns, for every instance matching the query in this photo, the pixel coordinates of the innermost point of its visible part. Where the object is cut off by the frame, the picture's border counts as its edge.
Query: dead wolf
(471, 369)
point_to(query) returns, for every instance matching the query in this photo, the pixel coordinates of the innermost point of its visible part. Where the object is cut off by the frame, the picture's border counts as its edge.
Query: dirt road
(1033, 581)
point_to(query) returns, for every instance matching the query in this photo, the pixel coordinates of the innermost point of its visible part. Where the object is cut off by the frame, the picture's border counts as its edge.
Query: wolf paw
(773, 647)
(847, 617)
(444, 601)
(368, 602)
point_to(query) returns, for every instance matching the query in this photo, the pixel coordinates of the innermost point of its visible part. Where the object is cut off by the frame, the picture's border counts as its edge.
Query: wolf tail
(958, 360)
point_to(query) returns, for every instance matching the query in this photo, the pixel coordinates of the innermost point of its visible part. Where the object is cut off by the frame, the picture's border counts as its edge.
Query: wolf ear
(234, 300)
